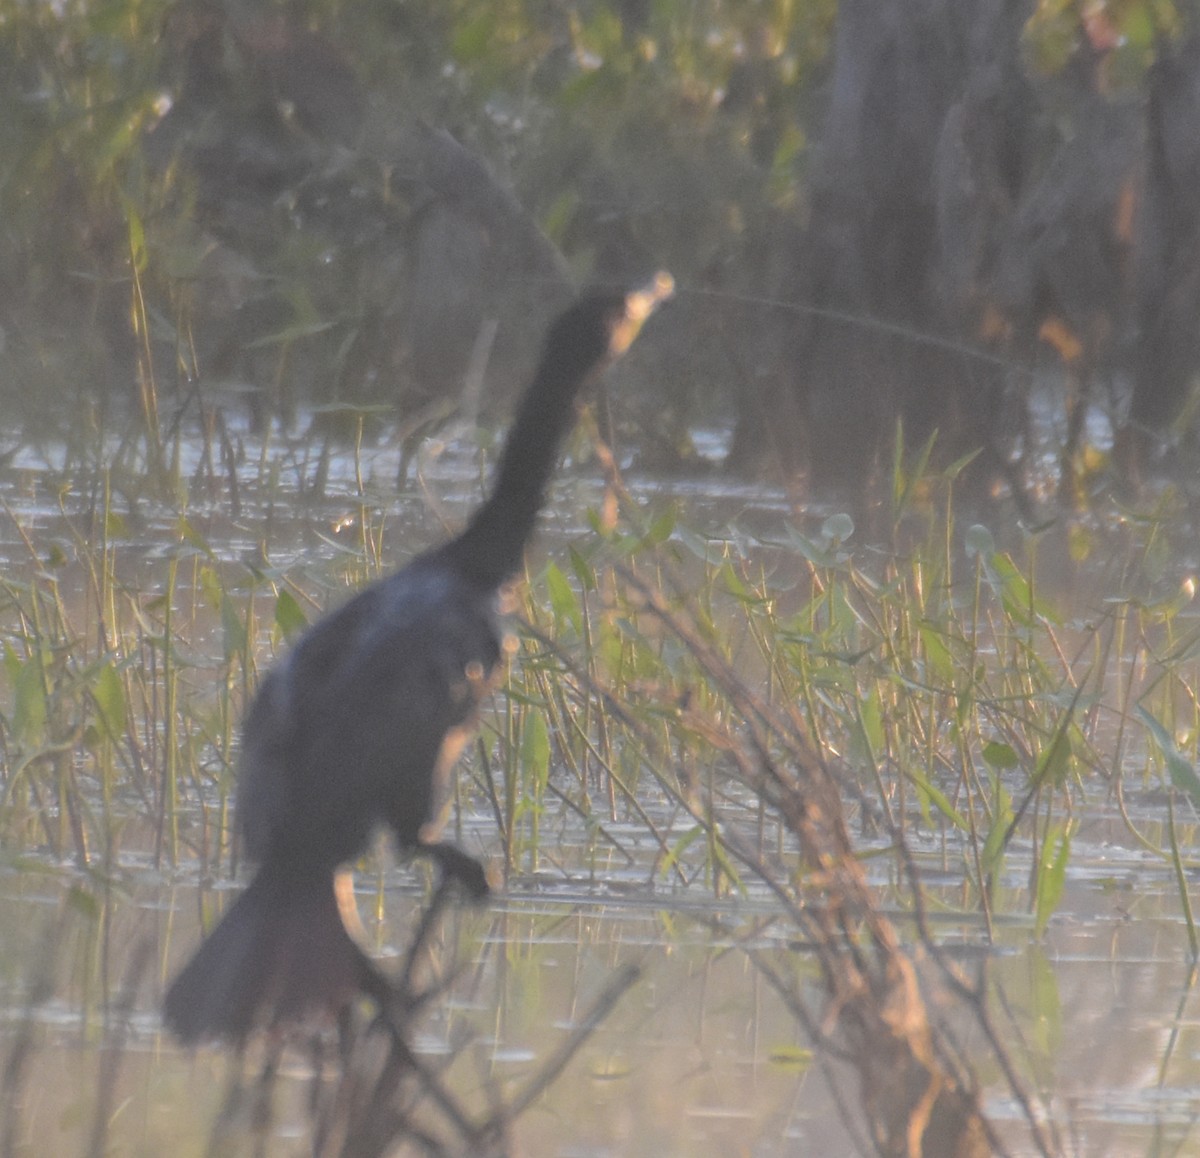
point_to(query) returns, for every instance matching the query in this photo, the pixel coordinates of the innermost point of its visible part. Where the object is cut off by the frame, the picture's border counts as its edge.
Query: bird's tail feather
(281, 953)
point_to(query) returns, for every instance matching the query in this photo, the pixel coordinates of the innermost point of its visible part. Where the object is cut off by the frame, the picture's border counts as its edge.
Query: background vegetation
(957, 216)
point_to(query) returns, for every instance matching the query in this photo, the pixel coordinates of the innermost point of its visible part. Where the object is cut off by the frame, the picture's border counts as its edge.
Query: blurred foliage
(1126, 32)
(222, 191)
(636, 133)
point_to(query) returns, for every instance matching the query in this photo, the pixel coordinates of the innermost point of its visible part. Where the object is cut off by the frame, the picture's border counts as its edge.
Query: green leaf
(584, 571)
(960, 464)
(233, 629)
(712, 551)
(210, 587)
(899, 479)
(818, 555)
(190, 535)
(289, 617)
(563, 599)
(1179, 767)
(793, 1059)
(993, 846)
(904, 484)
(535, 749)
(937, 655)
(676, 851)
(1052, 875)
(662, 528)
(29, 704)
(1015, 592)
(734, 584)
(869, 725)
(727, 866)
(1000, 755)
(837, 528)
(292, 333)
(109, 693)
(1052, 762)
(137, 239)
(979, 542)
(12, 663)
(932, 794)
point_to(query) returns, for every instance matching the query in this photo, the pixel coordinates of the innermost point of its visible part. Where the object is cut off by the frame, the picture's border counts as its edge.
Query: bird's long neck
(492, 547)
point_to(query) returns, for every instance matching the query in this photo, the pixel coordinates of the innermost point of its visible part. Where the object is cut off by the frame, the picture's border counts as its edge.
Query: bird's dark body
(359, 726)
(358, 716)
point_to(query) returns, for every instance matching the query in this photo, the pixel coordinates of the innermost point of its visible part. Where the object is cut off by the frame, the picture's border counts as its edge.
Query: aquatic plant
(672, 688)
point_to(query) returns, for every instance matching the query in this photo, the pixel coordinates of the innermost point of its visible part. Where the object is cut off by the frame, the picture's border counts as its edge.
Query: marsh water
(699, 1056)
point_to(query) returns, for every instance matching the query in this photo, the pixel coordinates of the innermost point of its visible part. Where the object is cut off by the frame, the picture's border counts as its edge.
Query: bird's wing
(348, 733)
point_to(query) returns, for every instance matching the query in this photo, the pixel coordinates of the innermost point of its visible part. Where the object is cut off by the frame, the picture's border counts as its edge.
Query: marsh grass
(671, 688)
(130, 647)
(972, 716)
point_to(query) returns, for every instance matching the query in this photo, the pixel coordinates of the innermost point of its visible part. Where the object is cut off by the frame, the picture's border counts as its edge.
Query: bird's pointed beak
(639, 305)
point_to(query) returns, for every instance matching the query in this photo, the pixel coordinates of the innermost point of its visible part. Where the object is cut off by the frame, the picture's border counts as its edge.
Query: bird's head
(634, 308)
(602, 325)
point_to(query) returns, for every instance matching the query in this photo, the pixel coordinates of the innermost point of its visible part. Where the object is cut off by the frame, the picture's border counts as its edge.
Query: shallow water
(700, 1057)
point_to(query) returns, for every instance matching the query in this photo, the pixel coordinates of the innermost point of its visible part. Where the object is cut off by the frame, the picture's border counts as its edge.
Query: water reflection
(699, 1057)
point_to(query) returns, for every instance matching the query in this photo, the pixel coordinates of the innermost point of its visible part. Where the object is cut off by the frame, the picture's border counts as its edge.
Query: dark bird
(361, 723)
